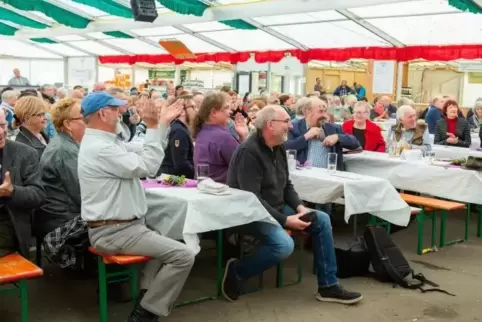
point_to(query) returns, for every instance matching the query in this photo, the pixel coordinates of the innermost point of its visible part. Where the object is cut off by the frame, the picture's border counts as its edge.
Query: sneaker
(337, 294)
(231, 287)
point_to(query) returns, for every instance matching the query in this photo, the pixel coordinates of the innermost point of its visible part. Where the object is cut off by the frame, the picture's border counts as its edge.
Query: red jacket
(374, 140)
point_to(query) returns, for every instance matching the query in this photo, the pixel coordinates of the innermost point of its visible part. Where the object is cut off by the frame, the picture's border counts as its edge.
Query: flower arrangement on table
(174, 180)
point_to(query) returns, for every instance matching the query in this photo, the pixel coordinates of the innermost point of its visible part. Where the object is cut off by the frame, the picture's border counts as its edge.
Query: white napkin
(212, 187)
(411, 155)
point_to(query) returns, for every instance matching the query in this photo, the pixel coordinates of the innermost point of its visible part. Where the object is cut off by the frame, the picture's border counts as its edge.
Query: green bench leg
(102, 289)
(443, 231)
(374, 221)
(420, 226)
(280, 269)
(23, 300)
(443, 228)
(134, 275)
(434, 229)
(219, 264)
(467, 223)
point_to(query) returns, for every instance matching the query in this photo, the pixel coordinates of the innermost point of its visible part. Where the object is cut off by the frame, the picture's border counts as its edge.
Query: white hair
(268, 113)
(46, 87)
(303, 104)
(363, 104)
(63, 90)
(404, 101)
(7, 95)
(350, 99)
(402, 110)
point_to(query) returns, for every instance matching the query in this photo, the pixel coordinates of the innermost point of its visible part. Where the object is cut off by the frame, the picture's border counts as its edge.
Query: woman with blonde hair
(30, 119)
(58, 166)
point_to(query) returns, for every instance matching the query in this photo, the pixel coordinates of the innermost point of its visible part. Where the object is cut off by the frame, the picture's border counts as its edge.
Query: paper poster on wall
(243, 84)
(383, 74)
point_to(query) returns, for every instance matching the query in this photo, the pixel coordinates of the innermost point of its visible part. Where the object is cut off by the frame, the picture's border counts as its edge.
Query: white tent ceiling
(282, 24)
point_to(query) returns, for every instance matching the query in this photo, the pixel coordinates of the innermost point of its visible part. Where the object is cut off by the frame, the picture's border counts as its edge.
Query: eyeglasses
(360, 113)
(284, 121)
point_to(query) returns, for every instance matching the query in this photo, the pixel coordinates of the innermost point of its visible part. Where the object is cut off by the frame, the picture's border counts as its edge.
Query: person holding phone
(259, 166)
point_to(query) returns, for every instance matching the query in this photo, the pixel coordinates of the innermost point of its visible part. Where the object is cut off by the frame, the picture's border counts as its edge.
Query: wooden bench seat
(430, 207)
(14, 268)
(431, 203)
(120, 259)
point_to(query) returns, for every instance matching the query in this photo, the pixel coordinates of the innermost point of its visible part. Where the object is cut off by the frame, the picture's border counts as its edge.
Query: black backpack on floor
(389, 263)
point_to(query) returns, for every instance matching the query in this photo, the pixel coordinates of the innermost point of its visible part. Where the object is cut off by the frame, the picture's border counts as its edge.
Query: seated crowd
(81, 179)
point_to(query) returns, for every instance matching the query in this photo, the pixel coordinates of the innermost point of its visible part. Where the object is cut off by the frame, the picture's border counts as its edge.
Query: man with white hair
(62, 92)
(260, 166)
(114, 204)
(313, 137)
(9, 98)
(408, 129)
(17, 79)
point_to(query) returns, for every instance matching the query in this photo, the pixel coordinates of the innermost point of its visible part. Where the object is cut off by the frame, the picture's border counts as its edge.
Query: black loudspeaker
(144, 10)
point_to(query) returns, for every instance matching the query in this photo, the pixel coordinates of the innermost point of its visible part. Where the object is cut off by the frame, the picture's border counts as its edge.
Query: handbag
(352, 258)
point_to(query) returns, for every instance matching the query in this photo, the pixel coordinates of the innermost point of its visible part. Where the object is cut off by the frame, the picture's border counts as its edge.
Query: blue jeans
(278, 245)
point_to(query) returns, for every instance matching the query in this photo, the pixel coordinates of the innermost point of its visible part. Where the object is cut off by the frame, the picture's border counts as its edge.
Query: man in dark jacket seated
(21, 192)
(259, 165)
(313, 138)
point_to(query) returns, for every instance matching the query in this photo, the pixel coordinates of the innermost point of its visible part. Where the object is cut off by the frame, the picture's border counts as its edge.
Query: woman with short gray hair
(476, 120)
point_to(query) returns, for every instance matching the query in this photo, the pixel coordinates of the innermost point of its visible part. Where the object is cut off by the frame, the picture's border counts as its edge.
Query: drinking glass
(332, 162)
(291, 157)
(429, 156)
(202, 172)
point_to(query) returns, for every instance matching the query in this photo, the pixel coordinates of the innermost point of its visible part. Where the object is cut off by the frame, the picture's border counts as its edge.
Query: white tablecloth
(361, 193)
(451, 183)
(452, 152)
(182, 213)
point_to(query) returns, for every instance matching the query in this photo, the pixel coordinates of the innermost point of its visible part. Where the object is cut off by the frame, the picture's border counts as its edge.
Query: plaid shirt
(63, 244)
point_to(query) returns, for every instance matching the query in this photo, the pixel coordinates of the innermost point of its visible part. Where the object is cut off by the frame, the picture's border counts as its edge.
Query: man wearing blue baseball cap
(114, 204)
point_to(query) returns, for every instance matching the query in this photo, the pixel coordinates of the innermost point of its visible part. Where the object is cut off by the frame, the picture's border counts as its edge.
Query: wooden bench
(129, 274)
(15, 269)
(433, 205)
(374, 221)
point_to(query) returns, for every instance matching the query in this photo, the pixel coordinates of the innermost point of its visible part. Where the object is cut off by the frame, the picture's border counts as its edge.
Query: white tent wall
(140, 75)
(81, 71)
(38, 71)
(212, 78)
(471, 92)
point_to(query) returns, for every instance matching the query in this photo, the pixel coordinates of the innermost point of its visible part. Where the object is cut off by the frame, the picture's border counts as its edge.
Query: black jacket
(179, 152)
(462, 131)
(26, 137)
(28, 194)
(263, 171)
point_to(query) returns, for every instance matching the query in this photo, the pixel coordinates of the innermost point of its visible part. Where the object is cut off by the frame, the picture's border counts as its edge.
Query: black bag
(352, 258)
(389, 263)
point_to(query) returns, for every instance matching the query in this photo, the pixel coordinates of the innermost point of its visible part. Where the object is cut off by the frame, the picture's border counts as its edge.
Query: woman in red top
(368, 133)
(452, 129)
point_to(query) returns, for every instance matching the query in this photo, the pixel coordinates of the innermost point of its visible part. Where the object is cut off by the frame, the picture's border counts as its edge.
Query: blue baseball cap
(96, 101)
